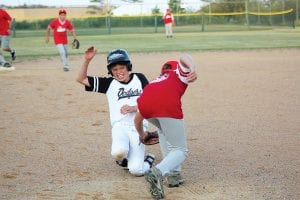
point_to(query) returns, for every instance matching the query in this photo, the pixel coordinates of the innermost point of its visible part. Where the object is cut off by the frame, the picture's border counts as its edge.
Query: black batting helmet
(118, 56)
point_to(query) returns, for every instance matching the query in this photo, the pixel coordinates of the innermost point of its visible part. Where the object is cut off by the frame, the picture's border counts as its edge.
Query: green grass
(156, 42)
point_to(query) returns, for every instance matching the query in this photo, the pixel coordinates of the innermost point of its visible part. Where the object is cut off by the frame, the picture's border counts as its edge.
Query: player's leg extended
(2, 60)
(120, 142)
(138, 163)
(169, 29)
(174, 132)
(63, 55)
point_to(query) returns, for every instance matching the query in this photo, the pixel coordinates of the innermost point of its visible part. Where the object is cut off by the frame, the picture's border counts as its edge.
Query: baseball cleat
(122, 163)
(174, 180)
(154, 177)
(13, 54)
(6, 64)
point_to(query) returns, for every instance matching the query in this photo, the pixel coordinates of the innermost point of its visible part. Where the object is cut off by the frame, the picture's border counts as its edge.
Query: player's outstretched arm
(187, 62)
(82, 74)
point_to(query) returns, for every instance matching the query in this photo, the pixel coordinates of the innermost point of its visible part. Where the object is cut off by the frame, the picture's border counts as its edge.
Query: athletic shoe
(150, 159)
(13, 54)
(66, 69)
(154, 177)
(174, 180)
(122, 163)
(7, 65)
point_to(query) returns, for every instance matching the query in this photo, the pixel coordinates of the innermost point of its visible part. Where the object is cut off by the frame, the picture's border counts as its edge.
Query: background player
(169, 22)
(160, 104)
(122, 90)
(60, 27)
(5, 31)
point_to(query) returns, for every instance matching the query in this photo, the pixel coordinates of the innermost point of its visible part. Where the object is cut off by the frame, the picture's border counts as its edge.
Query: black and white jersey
(119, 94)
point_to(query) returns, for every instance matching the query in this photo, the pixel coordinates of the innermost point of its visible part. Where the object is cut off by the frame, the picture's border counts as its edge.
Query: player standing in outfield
(122, 89)
(169, 22)
(5, 26)
(60, 27)
(160, 104)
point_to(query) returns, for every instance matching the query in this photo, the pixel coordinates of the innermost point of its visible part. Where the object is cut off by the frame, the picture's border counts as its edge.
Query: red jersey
(4, 22)
(168, 18)
(162, 97)
(60, 30)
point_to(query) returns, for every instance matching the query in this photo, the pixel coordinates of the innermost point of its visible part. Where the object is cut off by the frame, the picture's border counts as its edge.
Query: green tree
(155, 10)
(175, 6)
(102, 8)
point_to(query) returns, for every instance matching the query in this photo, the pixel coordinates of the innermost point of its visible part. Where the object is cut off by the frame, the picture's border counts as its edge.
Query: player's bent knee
(136, 171)
(119, 155)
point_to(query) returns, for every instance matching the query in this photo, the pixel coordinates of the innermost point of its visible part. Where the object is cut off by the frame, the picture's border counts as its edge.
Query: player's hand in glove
(150, 138)
(75, 44)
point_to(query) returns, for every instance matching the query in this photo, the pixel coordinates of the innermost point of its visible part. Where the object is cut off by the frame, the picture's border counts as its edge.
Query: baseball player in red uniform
(60, 27)
(122, 89)
(169, 22)
(5, 26)
(160, 104)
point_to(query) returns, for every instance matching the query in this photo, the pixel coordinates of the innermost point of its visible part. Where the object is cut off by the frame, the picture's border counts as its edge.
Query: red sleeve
(70, 26)
(6, 15)
(52, 24)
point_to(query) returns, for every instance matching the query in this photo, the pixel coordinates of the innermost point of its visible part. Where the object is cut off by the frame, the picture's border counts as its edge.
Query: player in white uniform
(122, 91)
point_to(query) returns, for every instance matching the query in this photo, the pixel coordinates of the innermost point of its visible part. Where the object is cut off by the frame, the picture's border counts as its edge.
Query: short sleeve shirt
(4, 22)
(162, 96)
(60, 30)
(119, 94)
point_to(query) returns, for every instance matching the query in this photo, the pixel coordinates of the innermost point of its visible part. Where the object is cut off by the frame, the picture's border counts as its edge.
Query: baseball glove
(151, 138)
(75, 44)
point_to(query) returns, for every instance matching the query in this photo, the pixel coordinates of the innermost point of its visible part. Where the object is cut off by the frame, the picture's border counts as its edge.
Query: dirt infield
(242, 119)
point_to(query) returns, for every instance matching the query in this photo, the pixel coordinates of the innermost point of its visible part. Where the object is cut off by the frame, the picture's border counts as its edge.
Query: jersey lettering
(127, 94)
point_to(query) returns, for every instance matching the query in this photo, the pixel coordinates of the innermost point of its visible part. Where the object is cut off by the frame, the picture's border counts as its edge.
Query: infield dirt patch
(242, 121)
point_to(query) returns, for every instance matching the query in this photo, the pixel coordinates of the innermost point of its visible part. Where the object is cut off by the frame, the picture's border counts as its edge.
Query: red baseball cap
(62, 11)
(169, 66)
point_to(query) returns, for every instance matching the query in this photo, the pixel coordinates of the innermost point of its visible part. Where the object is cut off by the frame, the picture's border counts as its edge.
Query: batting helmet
(118, 56)
(169, 66)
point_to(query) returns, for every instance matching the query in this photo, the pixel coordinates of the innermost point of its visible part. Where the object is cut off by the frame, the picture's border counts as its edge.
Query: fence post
(13, 26)
(155, 23)
(247, 14)
(108, 24)
(202, 21)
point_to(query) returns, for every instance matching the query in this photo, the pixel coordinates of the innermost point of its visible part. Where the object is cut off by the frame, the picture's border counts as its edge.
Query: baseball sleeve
(98, 84)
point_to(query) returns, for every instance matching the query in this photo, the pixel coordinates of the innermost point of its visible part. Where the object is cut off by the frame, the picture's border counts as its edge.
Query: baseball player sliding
(122, 90)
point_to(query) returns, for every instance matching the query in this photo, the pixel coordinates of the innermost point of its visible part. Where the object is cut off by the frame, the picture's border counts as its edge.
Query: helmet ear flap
(129, 66)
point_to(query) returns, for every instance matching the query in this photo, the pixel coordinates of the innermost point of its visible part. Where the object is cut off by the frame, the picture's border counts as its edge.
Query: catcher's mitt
(151, 138)
(75, 44)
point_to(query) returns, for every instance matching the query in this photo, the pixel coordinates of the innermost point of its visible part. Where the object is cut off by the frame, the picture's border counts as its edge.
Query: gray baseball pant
(172, 140)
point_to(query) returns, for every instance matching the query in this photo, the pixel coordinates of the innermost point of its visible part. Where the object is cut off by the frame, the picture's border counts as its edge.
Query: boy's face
(120, 73)
(62, 17)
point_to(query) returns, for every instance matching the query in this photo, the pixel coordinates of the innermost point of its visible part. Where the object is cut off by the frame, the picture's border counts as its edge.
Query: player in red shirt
(160, 104)
(60, 27)
(169, 22)
(5, 26)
